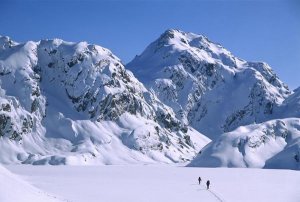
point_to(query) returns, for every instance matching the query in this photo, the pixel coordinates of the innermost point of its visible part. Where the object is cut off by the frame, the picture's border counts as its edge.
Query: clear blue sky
(262, 30)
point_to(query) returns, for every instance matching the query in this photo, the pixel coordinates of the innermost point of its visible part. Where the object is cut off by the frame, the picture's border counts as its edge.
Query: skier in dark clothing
(199, 180)
(207, 184)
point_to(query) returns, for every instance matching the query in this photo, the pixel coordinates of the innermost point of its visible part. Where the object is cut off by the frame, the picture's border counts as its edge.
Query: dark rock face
(10, 128)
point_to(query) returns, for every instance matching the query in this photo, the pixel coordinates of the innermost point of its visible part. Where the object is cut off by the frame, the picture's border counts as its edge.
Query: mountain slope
(272, 144)
(207, 86)
(75, 103)
(290, 106)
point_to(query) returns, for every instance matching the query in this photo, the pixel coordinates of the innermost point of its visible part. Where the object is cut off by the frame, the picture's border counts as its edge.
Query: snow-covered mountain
(272, 144)
(251, 116)
(75, 103)
(206, 85)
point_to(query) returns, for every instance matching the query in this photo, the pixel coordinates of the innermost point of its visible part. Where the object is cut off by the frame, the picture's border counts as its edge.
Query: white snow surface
(290, 107)
(160, 183)
(15, 189)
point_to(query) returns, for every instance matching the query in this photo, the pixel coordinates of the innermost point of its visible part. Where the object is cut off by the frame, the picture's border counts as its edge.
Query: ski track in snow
(203, 188)
(215, 195)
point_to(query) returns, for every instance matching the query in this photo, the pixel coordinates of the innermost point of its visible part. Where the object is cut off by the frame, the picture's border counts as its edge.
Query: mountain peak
(196, 77)
(180, 38)
(174, 45)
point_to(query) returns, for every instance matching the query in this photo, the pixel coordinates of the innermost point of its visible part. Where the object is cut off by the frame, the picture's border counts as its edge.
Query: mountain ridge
(76, 103)
(189, 73)
(81, 103)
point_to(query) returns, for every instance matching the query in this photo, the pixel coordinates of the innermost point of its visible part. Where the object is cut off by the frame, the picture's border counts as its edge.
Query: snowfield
(15, 189)
(159, 183)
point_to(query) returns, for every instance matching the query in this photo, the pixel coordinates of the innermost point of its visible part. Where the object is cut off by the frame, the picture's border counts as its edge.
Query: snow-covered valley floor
(160, 183)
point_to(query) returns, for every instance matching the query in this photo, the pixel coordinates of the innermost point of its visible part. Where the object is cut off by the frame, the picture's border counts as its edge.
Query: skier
(207, 184)
(199, 180)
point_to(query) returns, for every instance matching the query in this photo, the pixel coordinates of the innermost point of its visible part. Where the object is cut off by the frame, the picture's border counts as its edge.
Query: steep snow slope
(272, 144)
(75, 103)
(206, 85)
(14, 189)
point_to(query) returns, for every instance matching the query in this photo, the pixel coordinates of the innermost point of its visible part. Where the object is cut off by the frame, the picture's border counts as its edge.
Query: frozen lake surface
(161, 183)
